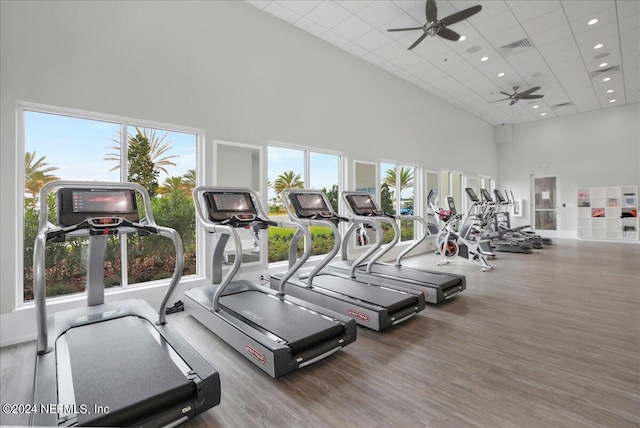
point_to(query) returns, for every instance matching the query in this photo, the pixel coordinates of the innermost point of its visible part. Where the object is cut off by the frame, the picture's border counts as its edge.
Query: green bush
(322, 242)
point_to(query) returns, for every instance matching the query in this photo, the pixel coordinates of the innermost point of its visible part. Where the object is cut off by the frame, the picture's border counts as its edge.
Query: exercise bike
(467, 245)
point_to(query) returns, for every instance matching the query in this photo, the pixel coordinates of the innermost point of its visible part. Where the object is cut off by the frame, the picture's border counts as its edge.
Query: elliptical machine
(451, 244)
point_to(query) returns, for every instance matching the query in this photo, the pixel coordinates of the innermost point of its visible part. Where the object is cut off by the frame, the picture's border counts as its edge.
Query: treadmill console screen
(452, 205)
(224, 205)
(362, 205)
(309, 204)
(77, 205)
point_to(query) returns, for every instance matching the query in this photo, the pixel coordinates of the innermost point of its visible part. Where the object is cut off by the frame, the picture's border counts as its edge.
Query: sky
(78, 147)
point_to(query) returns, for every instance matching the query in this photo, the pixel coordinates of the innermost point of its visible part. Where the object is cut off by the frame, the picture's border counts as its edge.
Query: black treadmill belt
(441, 280)
(393, 301)
(299, 327)
(119, 364)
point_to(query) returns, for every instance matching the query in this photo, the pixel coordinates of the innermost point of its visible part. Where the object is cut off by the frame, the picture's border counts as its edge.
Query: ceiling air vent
(609, 70)
(515, 47)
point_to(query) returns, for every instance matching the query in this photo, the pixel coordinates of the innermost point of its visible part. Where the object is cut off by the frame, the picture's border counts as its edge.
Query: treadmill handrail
(39, 273)
(308, 222)
(396, 231)
(416, 242)
(209, 226)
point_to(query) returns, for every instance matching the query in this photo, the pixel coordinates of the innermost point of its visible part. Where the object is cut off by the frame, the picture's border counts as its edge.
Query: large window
(397, 196)
(87, 147)
(299, 168)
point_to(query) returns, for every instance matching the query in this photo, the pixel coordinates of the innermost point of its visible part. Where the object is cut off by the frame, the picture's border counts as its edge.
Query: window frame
(418, 209)
(125, 122)
(306, 179)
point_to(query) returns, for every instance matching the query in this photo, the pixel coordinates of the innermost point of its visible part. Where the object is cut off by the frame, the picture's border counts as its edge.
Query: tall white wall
(225, 67)
(599, 148)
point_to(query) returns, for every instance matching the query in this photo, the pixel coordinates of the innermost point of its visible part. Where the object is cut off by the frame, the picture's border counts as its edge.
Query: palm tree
(36, 173)
(189, 180)
(158, 148)
(172, 185)
(406, 177)
(288, 180)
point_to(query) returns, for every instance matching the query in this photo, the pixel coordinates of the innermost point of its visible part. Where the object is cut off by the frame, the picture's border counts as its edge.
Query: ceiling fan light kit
(436, 27)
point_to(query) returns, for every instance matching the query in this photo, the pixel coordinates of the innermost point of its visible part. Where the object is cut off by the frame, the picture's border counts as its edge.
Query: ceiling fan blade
(459, 16)
(504, 93)
(504, 99)
(448, 34)
(530, 97)
(529, 91)
(432, 11)
(417, 42)
(405, 29)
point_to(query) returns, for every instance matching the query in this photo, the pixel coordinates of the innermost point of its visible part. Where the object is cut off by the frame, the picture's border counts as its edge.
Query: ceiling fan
(434, 26)
(516, 96)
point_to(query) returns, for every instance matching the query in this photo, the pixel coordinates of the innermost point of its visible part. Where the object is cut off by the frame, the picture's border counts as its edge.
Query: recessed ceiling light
(604, 64)
(593, 21)
(612, 101)
(484, 58)
(606, 79)
(543, 114)
(536, 106)
(610, 91)
(462, 38)
(598, 46)
(500, 74)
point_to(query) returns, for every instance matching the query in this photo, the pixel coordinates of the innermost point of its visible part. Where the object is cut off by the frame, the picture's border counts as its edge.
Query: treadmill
(372, 306)
(276, 332)
(436, 286)
(118, 363)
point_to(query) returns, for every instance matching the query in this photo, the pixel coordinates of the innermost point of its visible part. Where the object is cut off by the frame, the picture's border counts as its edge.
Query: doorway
(545, 213)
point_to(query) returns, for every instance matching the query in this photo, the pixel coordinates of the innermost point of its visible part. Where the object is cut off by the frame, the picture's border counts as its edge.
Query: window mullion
(124, 170)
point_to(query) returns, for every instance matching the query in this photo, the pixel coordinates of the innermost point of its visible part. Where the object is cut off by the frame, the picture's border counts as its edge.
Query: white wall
(225, 67)
(599, 148)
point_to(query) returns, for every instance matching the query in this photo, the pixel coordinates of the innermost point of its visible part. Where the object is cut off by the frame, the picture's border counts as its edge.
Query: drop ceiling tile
(563, 45)
(389, 67)
(355, 49)
(526, 11)
(545, 23)
(390, 50)
(628, 8)
(421, 68)
(631, 38)
(354, 6)
(433, 76)
(629, 23)
(506, 36)
(605, 17)
(333, 38)
(407, 60)
(352, 28)
(373, 40)
(587, 9)
(598, 34)
(328, 14)
(496, 23)
(380, 12)
(490, 9)
(260, 4)
(310, 26)
(276, 9)
(550, 36)
(407, 5)
(373, 58)
(299, 7)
